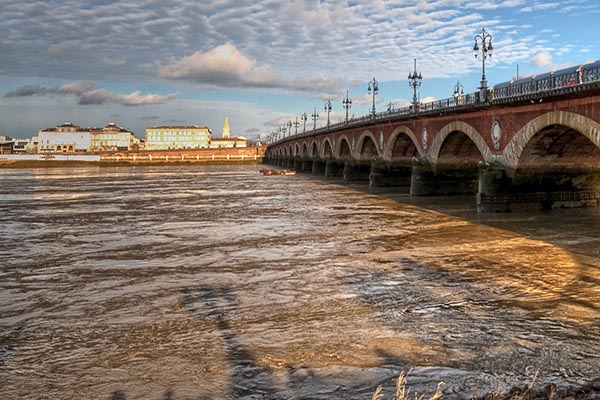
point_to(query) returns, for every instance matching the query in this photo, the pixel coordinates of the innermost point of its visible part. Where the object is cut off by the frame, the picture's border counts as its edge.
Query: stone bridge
(535, 148)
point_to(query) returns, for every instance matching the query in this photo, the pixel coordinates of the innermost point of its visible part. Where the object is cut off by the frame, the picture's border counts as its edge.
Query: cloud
(89, 94)
(541, 59)
(224, 65)
(227, 66)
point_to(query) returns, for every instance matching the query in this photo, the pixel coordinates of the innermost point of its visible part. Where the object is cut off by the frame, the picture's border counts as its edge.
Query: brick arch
(338, 147)
(324, 144)
(586, 126)
(311, 146)
(304, 150)
(361, 141)
(460, 126)
(401, 130)
(296, 152)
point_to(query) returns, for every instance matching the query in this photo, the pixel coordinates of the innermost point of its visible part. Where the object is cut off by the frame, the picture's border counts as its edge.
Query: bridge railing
(565, 81)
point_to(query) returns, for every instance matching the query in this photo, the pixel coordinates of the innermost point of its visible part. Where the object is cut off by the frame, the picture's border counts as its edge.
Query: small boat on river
(269, 172)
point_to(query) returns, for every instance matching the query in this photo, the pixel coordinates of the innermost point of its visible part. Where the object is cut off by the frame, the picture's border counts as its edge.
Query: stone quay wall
(241, 154)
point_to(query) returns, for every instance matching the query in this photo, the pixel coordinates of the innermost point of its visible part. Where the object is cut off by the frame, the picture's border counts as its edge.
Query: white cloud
(224, 65)
(227, 66)
(541, 59)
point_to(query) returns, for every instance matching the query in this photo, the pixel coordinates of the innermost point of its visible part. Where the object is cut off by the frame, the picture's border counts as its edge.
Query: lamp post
(304, 117)
(315, 117)
(486, 50)
(328, 109)
(296, 125)
(459, 90)
(390, 107)
(373, 87)
(414, 81)
(283, 130)
(347, 103)
(289, 124)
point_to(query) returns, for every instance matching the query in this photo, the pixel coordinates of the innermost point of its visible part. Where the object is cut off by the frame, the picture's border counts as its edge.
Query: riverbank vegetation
(590, 391)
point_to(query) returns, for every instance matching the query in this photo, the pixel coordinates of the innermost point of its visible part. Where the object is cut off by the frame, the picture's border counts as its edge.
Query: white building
(65, 138)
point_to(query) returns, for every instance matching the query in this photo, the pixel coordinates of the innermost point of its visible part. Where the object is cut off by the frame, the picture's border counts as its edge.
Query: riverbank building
(177, 137)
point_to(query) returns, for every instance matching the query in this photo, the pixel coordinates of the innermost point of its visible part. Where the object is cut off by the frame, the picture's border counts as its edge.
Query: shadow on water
(247, 377)
(249, 380)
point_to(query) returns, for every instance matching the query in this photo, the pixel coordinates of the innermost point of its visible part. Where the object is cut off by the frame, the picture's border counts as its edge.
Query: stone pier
(333, 169)
(443, 180)
(356, 171)
(307, 165)
(384, 174)
(319, 167)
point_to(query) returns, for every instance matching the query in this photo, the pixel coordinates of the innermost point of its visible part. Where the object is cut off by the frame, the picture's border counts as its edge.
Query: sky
(142, 63)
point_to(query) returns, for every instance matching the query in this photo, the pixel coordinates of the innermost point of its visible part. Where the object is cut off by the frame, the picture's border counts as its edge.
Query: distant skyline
(262, 63)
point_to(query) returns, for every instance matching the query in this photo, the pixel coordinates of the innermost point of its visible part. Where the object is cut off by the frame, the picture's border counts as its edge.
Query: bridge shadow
(558, 227)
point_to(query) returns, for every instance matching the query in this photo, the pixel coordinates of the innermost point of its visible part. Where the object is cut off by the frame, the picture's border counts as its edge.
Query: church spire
(226, 133)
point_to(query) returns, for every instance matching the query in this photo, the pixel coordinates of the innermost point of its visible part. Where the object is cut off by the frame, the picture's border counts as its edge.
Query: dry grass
(403, 392)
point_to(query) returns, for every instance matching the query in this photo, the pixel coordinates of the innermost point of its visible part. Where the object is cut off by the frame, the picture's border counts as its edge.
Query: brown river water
(216, 282)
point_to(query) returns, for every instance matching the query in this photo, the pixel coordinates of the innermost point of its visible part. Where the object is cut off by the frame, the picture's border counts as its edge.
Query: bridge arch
(343, 149)
(327, 149)
(398, 138)
(304, 150)
(513, 152)
(314, 150)
(366, 144)
(462, 127)
(296, 150)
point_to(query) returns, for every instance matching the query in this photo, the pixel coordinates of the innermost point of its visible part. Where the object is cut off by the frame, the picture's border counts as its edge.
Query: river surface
(215, 282)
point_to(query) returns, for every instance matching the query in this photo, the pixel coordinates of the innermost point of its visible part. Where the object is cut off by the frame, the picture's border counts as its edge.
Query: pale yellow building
(227, 143)
(113, 138)
(177, 137)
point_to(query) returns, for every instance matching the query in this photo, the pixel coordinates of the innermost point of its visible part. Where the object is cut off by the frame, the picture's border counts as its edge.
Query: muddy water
(219, 283)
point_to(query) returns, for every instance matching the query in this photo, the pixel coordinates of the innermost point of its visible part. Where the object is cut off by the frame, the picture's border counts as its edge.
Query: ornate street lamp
(458, 89)
(289, 124)
(347, 103)
(304, 117)
(486, 50)
(458, 92)
(373, 87)
(296, 125)
(328, 109)
(390, 107)
(414, 81)
(315, 117)
(283, 130)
